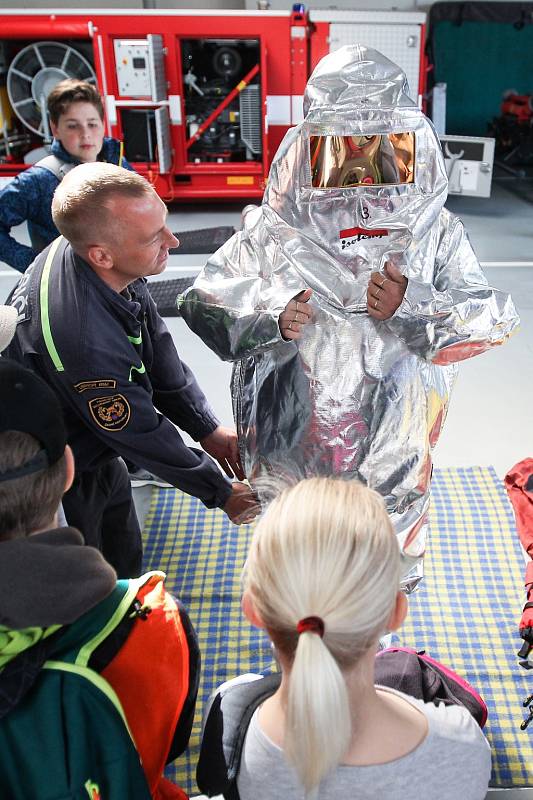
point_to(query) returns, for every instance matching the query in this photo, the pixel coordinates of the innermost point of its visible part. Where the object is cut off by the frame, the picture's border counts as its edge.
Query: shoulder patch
(102, 383)
(110, 413)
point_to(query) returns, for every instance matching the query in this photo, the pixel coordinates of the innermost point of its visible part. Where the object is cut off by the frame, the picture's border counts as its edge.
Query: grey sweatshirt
(453, 761)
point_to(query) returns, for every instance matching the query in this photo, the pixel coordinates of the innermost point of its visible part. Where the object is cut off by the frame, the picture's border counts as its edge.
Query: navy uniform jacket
(111, 359)
(28, 198)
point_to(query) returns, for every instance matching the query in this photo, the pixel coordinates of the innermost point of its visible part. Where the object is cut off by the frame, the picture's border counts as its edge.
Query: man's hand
(242, 505)
(295, 315)
(385, 292)
(222, 445)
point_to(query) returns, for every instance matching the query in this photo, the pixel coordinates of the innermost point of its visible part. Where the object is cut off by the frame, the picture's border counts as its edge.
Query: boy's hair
(71, 91)
(324, 548)
(28, 503)
(33, 438)
(79, 206)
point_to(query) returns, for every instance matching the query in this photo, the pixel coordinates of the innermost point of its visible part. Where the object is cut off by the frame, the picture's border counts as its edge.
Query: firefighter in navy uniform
(88, 326)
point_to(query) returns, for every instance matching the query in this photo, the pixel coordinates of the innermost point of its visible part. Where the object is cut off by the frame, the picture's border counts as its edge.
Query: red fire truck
(201, 99)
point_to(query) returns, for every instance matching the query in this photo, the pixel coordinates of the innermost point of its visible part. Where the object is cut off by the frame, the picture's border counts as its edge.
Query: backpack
(231, 708)
(59, 169)
(418, 675)
(55, 165)
(69, 737)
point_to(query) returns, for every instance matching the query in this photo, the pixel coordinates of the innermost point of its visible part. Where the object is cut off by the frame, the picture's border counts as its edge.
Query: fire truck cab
(200, 99)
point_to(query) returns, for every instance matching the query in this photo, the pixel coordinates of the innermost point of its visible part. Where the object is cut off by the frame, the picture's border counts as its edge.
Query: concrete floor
(500, 226)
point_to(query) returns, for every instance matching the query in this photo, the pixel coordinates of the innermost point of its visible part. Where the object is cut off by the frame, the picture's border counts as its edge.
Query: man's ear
(399, 612)
(250, 611)
(99, 256)
(70, 468)
(53, 128)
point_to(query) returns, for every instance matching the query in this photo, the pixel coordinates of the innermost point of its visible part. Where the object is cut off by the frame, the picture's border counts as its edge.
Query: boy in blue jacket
(77, 124)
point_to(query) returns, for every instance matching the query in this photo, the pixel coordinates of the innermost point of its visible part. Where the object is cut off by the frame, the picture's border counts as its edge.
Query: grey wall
(358, 5)
(47, 5)
(361, 5)
(346, 5)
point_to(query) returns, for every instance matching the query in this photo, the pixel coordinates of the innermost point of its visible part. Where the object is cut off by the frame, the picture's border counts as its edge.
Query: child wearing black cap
(76, 645)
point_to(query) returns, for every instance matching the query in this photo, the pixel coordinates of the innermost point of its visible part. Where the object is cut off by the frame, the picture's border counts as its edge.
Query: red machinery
(201, 100)
(518, 105)
(513, 130)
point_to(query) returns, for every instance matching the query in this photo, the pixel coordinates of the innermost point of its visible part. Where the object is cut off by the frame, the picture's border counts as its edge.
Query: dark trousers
(100, 505)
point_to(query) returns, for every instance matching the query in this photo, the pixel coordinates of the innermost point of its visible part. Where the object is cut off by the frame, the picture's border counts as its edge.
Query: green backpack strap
(97, 680)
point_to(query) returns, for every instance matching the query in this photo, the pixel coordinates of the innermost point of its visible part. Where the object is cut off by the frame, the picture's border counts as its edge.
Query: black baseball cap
(28, 405)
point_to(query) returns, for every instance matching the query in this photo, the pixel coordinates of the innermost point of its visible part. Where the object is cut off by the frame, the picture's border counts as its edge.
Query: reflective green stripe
(140, 370)
(97, 680)
(134, 584)
(136, 339)
(45, 317)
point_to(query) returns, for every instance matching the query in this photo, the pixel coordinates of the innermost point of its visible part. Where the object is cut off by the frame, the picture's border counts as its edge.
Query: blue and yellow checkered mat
(465, 614)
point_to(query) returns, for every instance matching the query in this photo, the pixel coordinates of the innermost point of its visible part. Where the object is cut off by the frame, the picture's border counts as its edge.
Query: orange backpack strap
(150, 675)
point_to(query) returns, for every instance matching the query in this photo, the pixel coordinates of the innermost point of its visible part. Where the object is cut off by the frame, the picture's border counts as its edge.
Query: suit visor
(382, 159)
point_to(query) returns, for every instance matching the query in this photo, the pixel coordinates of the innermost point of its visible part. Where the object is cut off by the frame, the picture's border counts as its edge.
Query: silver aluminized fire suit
(355, 396)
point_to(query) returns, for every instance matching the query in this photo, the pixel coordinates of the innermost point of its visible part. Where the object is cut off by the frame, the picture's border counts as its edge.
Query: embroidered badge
(110, 413)
(93, 790)
(102, 383)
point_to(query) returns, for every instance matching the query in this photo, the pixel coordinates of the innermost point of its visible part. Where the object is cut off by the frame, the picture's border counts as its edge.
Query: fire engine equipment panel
(133, 76)
(211, 71)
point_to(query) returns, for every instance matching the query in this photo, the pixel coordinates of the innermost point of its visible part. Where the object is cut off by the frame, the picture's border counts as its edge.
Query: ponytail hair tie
(311, 625)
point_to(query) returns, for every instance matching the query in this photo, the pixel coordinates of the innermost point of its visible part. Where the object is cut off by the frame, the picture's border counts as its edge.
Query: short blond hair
(80, 201)
(325, 547)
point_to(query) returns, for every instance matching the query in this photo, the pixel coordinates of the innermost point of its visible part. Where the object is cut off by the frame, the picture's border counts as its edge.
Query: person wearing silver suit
(350, 295)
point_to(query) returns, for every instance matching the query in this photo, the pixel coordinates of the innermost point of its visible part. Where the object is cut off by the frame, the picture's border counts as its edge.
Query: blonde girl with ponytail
(322, 578)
